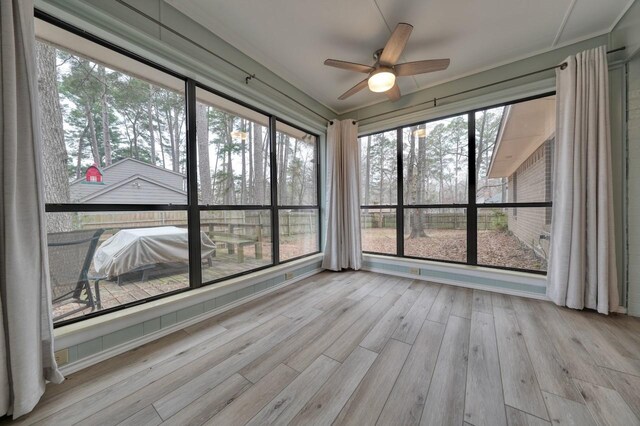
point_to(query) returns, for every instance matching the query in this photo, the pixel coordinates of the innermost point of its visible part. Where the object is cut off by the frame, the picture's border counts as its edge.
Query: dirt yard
(495, 248)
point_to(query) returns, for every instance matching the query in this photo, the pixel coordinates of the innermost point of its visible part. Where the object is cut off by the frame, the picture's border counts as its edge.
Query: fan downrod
(376, 55)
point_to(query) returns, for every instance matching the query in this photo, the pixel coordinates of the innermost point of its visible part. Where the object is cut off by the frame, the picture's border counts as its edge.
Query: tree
(487, 126)
(417, 224)
(202, 125)
(54, 150)
(367, 184)
(106, 140)
(258, 164)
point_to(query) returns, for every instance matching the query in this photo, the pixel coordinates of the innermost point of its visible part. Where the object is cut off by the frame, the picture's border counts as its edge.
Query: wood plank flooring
(368, 349)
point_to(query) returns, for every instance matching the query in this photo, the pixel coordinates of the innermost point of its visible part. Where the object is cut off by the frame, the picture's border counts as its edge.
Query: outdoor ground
(495, 248)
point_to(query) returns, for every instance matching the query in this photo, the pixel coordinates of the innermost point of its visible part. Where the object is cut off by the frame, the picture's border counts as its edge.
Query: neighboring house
(129, 181)
(524, 155)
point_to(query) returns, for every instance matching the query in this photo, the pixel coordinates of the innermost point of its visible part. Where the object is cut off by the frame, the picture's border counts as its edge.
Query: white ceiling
(293, 37)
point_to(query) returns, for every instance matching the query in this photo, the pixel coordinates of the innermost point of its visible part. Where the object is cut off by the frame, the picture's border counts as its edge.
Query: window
(379, 194)
(475, 187)
(234, 153)
(379, 233)
(142, 203)
(242, 242)
(435, 162)
(113, 133)
(379, 169)
(436, 234)
(298, 206)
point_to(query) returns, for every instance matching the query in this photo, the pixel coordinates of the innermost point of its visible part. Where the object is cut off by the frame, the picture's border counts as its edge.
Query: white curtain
(582, 268)
(343, 248)
(26, 335)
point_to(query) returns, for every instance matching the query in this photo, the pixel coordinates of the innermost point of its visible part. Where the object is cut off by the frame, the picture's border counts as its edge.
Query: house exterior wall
(146, 193)
(531, 182)
(139, 191)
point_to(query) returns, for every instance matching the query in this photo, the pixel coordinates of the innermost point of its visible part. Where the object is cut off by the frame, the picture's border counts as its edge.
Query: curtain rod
(435, 100)
(249, 76)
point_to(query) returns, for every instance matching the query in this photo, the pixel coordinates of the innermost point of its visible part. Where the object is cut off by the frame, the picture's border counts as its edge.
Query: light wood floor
(362, 348)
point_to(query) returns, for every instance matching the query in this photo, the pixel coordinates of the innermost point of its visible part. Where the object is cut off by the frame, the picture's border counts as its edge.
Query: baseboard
(530, 295)
(117, 350)
(620, 310)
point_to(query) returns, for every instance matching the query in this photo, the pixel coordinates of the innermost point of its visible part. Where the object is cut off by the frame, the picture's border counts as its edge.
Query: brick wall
(531, 183)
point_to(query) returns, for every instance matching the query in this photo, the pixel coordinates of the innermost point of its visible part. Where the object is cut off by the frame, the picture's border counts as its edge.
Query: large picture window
(154, 184)
(298, 206)
(476, 187)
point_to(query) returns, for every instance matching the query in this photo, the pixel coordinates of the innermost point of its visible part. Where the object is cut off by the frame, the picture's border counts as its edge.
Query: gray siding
(147, 193)
(140, 191)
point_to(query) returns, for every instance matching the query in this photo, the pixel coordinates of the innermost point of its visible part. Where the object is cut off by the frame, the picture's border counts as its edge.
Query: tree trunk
(243, 172)
(258, 158)
(160, 140)
(283, 145)
(480, 147)
(177, 124)
(174, 159)
(135, 141)
(229, 192)
(54, 150)
(106, 137)
(381, 164)
(250, 187)
(417, 224)
(367, 186)
(79, 156)
(92, 134)
(202, 125)
(152, 136)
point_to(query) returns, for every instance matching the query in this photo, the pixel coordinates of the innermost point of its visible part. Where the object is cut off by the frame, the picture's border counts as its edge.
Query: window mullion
(275, 215)
(193, 215)
(472, 210)
(400, 196)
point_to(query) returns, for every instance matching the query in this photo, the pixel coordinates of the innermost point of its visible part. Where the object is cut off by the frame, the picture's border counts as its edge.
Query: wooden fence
(487, 220)
(291, 223)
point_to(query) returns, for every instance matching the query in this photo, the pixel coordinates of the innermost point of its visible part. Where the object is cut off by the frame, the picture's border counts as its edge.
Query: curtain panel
(343, 248)
(582, 268)
(26, 335)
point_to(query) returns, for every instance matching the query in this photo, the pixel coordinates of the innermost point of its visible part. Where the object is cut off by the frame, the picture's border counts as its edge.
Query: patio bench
(236, 243)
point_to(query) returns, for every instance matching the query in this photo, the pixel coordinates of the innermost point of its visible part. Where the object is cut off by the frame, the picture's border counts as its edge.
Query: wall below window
(508, 282)
(85, 343)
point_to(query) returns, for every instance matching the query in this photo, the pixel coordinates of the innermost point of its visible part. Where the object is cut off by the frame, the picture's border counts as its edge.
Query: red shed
(93, 175)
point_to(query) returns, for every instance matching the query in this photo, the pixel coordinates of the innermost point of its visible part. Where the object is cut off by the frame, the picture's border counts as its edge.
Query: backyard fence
(487, 220)
(291, 223)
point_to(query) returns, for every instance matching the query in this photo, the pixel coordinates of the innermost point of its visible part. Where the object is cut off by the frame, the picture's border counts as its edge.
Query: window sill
(83, 331)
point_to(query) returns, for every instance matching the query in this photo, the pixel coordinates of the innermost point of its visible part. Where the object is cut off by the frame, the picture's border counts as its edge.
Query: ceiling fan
(383, 73)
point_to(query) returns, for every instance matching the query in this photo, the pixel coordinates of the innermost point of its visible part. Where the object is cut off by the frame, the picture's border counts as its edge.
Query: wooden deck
(363, 348)
(162, 281)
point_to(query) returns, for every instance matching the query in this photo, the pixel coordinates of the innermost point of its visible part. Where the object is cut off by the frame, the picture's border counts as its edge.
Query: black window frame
(192, 206)
(471, 205)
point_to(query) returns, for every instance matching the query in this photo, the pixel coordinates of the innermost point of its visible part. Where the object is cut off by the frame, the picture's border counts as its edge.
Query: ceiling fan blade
(398, 40)
(394, 93)
(351, 66)
(355, 89)
(421, 67)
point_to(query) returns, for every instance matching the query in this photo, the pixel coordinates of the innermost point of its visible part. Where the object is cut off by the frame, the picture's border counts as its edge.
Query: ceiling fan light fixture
(381, 80)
